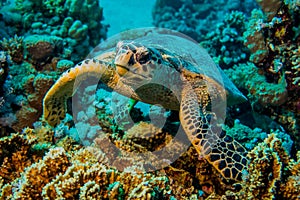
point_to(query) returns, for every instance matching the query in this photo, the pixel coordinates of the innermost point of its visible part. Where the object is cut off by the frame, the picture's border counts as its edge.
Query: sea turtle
(161, 69)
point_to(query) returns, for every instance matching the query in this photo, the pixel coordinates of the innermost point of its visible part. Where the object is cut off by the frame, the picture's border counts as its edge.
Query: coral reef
(226, 43)
(48, 39)
(77, 23)
(271, 173)
(273, 42)
(268, 99)
(92, 156)
(195, 18)
(23, 104)
(86, 172)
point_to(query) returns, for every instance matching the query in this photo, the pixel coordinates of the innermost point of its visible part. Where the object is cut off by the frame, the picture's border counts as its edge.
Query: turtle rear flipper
(209, 140)
(54, 103)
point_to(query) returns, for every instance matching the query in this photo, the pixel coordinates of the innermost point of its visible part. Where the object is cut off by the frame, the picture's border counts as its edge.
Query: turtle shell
(178, 45)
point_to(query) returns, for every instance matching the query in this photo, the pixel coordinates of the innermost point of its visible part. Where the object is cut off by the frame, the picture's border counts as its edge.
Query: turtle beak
(121, 70)
(122, 59)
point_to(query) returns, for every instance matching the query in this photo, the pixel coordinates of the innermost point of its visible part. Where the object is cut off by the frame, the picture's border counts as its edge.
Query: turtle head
(136, 60)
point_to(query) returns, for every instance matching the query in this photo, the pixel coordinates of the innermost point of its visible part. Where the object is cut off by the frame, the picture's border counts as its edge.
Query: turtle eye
(143, 58)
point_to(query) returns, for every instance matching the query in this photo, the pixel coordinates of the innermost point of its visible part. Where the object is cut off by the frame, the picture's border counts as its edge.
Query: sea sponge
(26, 116)
(35, 87)
(146, 135)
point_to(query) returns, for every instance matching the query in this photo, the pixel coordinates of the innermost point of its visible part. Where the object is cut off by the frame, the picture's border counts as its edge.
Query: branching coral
(59, 176)
(38, 175)
(248, 76)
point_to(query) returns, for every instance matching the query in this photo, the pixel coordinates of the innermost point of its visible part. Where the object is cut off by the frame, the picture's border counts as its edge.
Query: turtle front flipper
(54, 103)
(208, 138)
